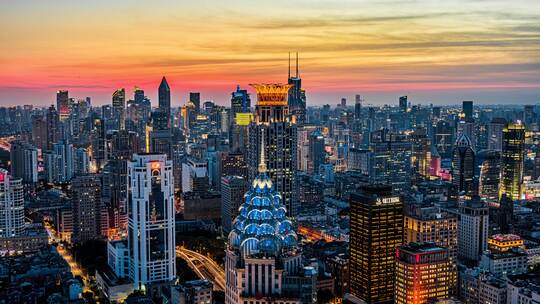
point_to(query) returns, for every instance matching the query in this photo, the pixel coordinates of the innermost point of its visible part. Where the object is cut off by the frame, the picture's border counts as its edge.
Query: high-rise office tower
(463, 166)
(240, 102)
(489, 162)
(495, 133)
(376, 232)
(233, 189)
(422, 273)
(24, 161)
(316, 154)
(472, 229)
(262, 254)
(390, 161)
(195, 98)
(81, 161)
(468, 110)
(119, 108)
(86, 207)
(160, 137)
(403, 103)
(439, 227)
(39, 132)
(64, 155)
(138, 93)
(11, 205)
(512, 161)
(421, 153)
(481, 136)
(297, 95)
(123, 144)
(272, 118)
(444, 138)
(151, 233)
(358, 107)
(529, 116)
(53, 127)
(343, 102)
(62, 104)
(164, 98)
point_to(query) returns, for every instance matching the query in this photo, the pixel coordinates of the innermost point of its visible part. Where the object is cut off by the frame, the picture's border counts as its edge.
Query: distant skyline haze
(433, 51)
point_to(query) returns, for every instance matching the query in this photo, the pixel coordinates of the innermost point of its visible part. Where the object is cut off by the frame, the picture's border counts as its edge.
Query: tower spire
(289, 65)
(262, 162)
(296, 64)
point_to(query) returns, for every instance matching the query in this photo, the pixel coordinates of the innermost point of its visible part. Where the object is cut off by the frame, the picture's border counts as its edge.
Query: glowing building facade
(262, 257)
(512, 161)
(11, 205)
(376, 232)
(119, 108)
(151, 234)
(422, 273)
(440, 228)
(279, 128)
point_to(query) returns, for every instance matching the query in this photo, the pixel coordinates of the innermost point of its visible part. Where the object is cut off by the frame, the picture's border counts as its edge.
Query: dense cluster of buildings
(363, 204)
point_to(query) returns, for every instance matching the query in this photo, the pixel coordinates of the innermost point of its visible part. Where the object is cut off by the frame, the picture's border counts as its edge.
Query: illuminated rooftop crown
(271, 94)
(262, 226)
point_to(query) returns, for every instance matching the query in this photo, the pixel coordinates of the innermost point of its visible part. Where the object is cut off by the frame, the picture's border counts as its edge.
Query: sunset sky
(434, 51)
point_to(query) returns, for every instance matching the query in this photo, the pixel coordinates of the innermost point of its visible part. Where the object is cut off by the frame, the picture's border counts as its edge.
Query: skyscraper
(422, 273)
(358, 106)
(151, 234)
(65, 168)
(24, 161)
(53, 127)
(438, 227)
(421, 153)
(512, 161)
(195, 98)
(403, 103)
(376, 232)
(495, 133)
(11, 205)
(86, 207)
(489, 162)
(444, 138)
(62, 104)
(316, 155)
(463, 166)
(240, 102)
(262, 254)
(272, 118)
(39, 132)
(164, 98)
(473, 229)
(119, 108)
(233, 189)
(297, 95)
(468, 110)
(390, 161)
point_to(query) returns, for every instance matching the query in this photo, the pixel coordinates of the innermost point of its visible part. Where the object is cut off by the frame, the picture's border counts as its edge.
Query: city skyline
(435, 53)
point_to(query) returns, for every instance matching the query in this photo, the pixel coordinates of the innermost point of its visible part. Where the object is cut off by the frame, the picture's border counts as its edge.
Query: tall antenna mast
(289, 65)
(296, 64)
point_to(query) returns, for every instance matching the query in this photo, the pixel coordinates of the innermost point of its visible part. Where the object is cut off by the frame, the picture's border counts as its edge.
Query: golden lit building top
(271, 94)
(504, 242)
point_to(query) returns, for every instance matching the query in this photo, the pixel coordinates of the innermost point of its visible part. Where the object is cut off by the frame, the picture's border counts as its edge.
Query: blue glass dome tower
(262, 227)
(263, 253)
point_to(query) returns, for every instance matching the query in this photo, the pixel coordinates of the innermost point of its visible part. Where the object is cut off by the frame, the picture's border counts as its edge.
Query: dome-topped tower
(262, 226)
